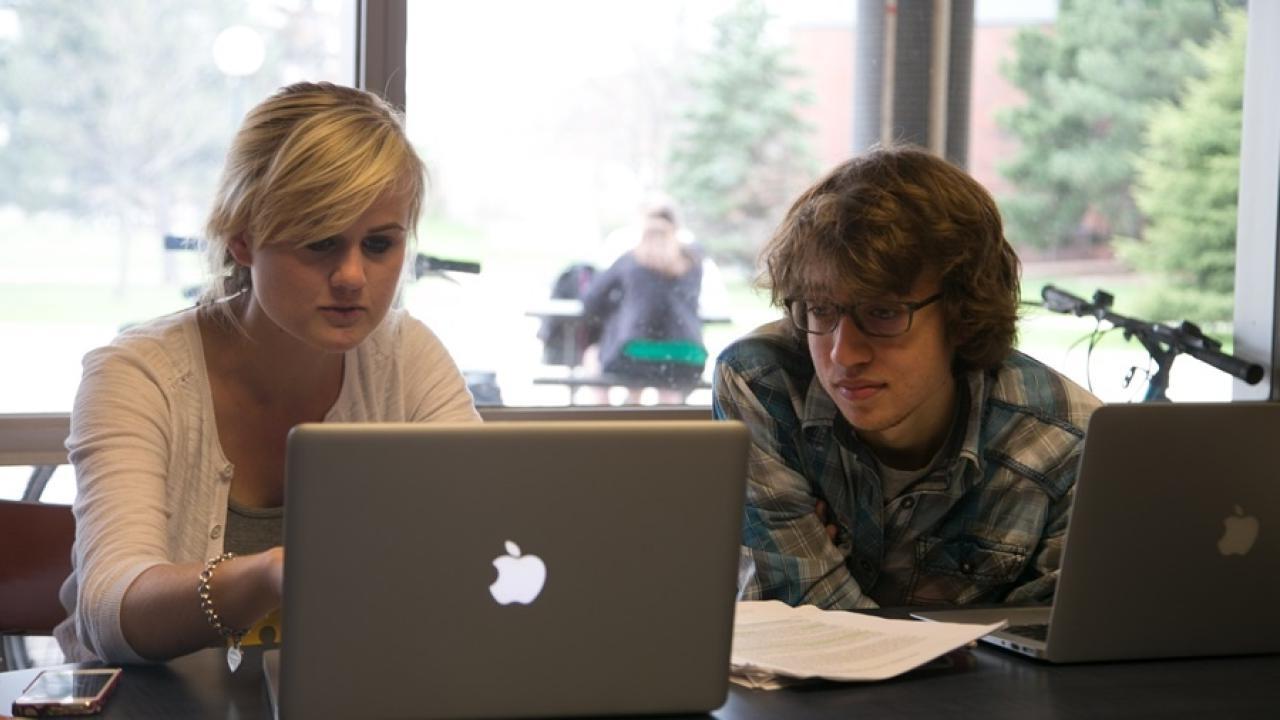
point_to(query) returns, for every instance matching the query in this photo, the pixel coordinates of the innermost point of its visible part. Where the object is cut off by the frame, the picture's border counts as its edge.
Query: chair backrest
(35, 559)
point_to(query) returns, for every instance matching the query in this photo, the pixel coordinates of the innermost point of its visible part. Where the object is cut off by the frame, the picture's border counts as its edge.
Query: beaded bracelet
(206, 605)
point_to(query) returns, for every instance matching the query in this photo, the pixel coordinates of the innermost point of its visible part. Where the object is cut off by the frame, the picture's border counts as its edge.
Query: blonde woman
(178, 429)
(645, 308)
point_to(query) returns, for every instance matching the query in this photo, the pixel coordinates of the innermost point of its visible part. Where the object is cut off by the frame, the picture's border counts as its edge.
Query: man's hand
(824, 517)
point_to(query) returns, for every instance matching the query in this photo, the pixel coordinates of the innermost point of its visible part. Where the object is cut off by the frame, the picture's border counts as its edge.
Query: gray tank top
(253, 530)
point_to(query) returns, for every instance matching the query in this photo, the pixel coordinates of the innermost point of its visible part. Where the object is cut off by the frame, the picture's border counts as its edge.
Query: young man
(941, 460)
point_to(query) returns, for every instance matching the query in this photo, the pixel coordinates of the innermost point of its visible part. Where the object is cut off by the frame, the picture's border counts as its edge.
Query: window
(114, 118)
(546, 135)
(1110, 133)
(547, 125)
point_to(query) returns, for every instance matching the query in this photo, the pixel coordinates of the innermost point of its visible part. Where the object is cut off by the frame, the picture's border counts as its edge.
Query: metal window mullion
(381, 34)
(1257, 291)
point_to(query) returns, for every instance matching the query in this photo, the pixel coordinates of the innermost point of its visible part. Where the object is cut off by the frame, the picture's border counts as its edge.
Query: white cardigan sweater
(153, 482)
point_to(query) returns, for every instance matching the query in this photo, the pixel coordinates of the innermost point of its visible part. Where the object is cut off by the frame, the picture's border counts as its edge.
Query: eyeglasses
(876, 318)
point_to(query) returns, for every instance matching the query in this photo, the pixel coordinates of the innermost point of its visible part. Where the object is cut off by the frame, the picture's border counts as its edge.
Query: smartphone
(66, 692)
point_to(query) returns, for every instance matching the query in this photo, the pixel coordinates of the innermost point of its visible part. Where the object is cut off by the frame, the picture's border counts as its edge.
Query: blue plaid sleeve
(1041, 577)
(786, 554)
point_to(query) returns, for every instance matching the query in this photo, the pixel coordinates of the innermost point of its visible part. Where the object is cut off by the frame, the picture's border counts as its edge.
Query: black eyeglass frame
(851, 312)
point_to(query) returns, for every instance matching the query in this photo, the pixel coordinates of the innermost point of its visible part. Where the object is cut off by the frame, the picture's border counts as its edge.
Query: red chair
(35, 559)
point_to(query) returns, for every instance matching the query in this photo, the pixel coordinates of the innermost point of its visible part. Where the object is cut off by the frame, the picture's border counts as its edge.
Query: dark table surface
(998, 685)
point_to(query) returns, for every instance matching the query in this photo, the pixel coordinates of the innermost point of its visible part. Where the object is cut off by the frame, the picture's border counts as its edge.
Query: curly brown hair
(876, 222)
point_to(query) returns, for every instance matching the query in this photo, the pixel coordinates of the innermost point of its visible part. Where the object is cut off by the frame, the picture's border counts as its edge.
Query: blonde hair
(306, 163)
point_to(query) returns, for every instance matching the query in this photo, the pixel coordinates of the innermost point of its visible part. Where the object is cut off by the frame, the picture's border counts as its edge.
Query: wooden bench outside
(605, 380)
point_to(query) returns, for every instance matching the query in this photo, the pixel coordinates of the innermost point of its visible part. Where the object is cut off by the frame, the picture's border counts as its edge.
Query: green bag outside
(660, 351)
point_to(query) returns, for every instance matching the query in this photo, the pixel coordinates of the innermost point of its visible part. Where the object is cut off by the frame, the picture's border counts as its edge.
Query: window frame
(1257, 293)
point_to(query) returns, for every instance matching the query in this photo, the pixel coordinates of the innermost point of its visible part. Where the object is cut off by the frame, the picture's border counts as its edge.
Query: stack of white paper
(775, 644)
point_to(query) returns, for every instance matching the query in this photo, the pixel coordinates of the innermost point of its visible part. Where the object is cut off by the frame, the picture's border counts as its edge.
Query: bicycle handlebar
(1185, 339)
(1196, 347)
(427, 264)
(1061, 301)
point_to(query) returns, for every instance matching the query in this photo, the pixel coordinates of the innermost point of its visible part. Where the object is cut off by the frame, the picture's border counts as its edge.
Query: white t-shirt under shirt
(153, 482)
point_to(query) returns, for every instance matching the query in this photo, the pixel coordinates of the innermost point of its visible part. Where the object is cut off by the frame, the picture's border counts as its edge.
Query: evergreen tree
(114, 110)
(740, 153)
(1188, 182)
(104, 106)
(1090, 83)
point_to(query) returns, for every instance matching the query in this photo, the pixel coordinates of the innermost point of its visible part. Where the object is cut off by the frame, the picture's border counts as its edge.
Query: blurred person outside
(643, 311)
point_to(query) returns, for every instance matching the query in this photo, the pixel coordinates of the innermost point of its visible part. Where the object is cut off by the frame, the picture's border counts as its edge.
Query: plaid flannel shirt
(985, 525)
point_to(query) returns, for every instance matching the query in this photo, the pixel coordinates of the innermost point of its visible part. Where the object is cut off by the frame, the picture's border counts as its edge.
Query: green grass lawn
(68, 303)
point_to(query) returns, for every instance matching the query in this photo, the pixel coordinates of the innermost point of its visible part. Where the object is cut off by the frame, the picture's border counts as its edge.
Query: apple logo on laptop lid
(1239, 533)
(520, 577)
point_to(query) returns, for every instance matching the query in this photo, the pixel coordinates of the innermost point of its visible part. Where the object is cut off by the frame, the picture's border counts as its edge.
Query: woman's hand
(161, 616)
(275, 573)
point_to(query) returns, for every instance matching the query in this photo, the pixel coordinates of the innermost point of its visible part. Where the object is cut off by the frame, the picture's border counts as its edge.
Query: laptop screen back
(616, 544)
(1173, 542)
(1174, 539)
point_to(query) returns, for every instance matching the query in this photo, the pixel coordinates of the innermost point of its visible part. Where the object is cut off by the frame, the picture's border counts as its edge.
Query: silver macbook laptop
(509, 569)
(1173, 547)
